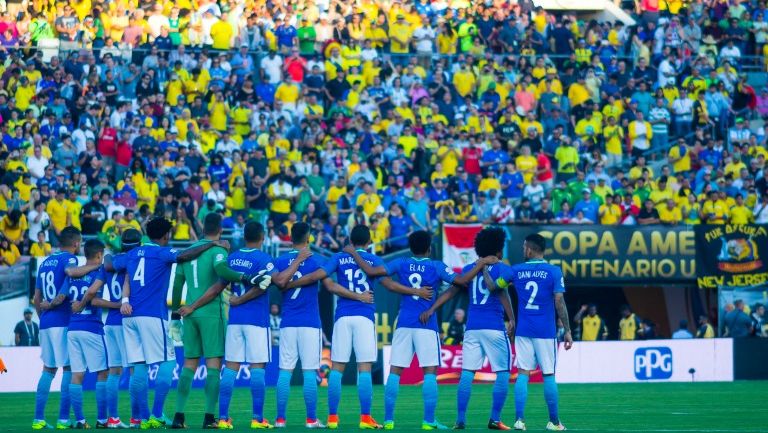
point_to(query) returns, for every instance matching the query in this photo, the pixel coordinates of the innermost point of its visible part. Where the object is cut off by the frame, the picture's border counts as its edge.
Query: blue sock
(283, 392)
(133, 391)
(162, 386)
(257, 392)
(64, 404)
(390, 396)
(364, 392)
(76, 397)
(550, 396)
(463, 394)
(113, 390)
(521, 395)
(101, 401)
(429, 393)
(225, 391)
(41, 397)
(500, 388)
(310, 393)
(142, 390)
(334, 392)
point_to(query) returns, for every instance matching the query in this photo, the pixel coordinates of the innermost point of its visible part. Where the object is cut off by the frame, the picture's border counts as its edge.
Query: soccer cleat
(497, 425)
(225, 424)
(280, 423)
(314, 424)
(555, 427)
(154, 422)
(519, 425)
(82, 425)
(459, 426)
(368, 423)
(115, 423)
(41, 424)
(433, 426)
(389, 425)
(333, 421)
(101, 425)
(209, 422)
(263, 424)
(135, 423)
(64, 425)
(178, 421)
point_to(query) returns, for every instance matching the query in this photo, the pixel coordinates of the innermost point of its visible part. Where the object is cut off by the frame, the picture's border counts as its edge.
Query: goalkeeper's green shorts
(204, 336)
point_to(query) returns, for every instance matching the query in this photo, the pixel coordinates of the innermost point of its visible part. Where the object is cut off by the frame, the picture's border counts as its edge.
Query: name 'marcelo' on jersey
(536, 283)
(89, 319)
(350, 276)
(256, 311)
(149, 271)
(50, 281)
(419, 272)
(300, 305)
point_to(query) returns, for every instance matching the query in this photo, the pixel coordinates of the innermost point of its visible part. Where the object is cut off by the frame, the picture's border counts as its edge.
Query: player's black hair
(253, 231)
(212, 224)
(93, 247)
(489, 241)
(536, 242)
(130, 239)
(360, 235)
(419, 242)
(158, 227)
(300, 233)
(69, 236)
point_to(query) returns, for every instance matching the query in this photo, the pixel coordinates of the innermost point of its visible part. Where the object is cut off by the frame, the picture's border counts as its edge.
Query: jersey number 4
(139, 274)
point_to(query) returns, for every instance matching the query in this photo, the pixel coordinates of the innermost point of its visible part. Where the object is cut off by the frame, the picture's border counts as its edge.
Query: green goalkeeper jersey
(202, 273)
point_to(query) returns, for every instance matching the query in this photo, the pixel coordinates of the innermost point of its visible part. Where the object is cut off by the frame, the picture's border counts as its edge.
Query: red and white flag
(459, 244)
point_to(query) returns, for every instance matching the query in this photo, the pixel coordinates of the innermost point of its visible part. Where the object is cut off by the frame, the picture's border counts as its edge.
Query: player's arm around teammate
(388, 283)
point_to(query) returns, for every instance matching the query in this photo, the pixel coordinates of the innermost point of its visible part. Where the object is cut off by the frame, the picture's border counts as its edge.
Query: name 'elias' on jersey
(419, 272)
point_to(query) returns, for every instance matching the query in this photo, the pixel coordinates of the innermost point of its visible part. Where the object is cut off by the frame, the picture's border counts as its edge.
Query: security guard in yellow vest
(629, 326)
(705, 330)
(591, 326)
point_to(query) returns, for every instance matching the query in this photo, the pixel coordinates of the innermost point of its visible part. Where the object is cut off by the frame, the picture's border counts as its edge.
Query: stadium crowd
(397, 114)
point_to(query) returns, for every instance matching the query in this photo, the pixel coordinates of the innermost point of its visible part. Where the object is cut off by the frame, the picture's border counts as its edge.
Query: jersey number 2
(533, 286)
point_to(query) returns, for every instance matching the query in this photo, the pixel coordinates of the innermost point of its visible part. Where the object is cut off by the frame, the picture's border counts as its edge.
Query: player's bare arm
(125, 308)
(506, 303)
(335, 288)
(562, 314)
(371, 271)
(78, 306)
(252, 293)
(81, 271)
(37, 301)
(209, 295)
(425, 292)
(281, 279)
(103, 303)
(480, 264)
(308, 279)
(442, 299)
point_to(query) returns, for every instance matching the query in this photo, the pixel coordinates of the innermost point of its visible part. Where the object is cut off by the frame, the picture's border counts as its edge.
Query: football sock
(225, 391)
(41, 396)
(310, 393)
(257, 392)
(429, 393)
(521, 395)
(212, 382)
(162, 386)
(101, 401)
(184, 385)
(64, 404)
(550, 396)
(141, 371)
(390, 396)
(113, 390)
(76, 397)
(500, 388)
(334, 392)
(133, 391)
(463, 394)
(364, 391)
(283, 392)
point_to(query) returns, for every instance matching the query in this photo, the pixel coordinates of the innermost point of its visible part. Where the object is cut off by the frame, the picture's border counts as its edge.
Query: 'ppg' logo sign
(653, 363)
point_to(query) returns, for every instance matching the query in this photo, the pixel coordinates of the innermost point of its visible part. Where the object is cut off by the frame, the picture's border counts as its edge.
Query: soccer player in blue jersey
(412, 336)
(145, 321)
(300, 330)
(53, 308)
(85, 338)
(540, 292)
(486, 334)
(354, 327)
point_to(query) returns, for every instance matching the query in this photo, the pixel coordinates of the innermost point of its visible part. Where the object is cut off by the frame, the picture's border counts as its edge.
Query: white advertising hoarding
(24, 367)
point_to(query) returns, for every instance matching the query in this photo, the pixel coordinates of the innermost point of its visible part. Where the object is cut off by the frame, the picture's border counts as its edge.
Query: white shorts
(530, 352)
(53, 347)
(248, 344)
(147, 340)
(113, 337)
(300, 343)
(87, 351)
(425, 343)
(479, 343)
(354, 332)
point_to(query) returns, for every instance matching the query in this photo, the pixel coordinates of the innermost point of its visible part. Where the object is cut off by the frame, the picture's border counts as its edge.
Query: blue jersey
(149, 273)
(90, 318)
(418, 272)
(300, 305)
(113, 292)
(256, 311)
(536, 283)
(485, 310)
(50, 282)
(352, 278)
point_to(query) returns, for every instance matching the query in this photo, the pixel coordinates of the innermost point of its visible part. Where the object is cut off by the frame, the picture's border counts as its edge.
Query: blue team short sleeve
(168, 255)
(120, 262)
(71, 263)
(393, 266)
(559, 281)
(444, 272)
(331, 265)
(377, 261)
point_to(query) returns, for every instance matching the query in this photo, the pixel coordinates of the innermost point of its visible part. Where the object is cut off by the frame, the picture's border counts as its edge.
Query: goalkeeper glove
(262, 280)
(176, 330)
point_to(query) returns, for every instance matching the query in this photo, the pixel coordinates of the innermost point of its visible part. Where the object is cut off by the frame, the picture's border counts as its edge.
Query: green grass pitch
(650, 407)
